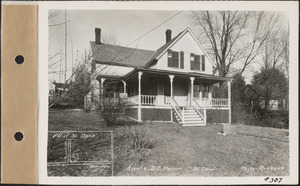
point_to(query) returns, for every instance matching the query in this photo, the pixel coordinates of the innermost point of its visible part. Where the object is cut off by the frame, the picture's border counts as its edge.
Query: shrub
(87, 110)
(238, 113)
(111, 109)
(139, 138)
(110, 117)
(273, 118)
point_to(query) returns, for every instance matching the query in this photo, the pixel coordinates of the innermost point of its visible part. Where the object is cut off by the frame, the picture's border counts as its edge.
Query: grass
(189, 151)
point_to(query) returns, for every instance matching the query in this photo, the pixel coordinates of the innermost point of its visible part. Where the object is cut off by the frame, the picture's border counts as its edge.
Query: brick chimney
(168, 35)
(98, 36)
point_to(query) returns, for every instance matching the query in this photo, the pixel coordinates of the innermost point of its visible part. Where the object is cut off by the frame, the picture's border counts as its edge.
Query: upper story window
(175, 59)
(197, 62)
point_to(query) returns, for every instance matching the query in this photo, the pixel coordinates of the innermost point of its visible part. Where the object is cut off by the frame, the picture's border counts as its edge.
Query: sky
(125, 25)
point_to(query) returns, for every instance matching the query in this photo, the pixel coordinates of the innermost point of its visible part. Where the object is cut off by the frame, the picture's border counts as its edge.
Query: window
(197, 62)
(173, 59)
(196, 89)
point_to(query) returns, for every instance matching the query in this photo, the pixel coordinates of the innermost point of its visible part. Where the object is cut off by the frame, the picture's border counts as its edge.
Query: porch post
(101, 86)
(192, 90)
(229, 101)
(94, 85)
(114, 91)
(124, 87)
(200, 92)
(209, 92)
(140, 100)
(171, 84)
(94, 93)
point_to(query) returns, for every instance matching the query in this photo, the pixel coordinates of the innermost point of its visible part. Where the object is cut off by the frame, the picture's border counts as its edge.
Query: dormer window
(197, 62)
(175, 59)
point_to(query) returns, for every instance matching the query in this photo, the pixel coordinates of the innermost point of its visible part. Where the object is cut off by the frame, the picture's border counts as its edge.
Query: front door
(167, 88)
(167, 92)
(196, 91)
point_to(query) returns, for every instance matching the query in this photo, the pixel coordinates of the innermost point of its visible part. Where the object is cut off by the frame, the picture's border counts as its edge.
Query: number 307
(275, 180)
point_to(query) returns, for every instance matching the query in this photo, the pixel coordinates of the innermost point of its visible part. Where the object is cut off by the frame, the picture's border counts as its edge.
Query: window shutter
(182, 60)
(203, 62)
(169, 58)
(192, 61)
(197, 62)
(200, 62)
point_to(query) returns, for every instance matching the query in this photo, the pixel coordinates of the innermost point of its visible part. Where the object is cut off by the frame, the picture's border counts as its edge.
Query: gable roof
(162, 50)
(133, 57)
(118, 54)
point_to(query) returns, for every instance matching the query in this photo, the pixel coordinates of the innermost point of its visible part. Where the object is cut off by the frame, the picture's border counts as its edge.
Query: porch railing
(133, 99)
(167, 100)
(148, 100)
(178, 110)
(213, 102)
(199, 110)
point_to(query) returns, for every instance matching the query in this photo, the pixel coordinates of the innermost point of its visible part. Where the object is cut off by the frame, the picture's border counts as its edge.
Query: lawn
(188, 151)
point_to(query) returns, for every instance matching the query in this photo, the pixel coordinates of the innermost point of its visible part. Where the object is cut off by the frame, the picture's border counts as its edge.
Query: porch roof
(119, 55)
(176, 73)
(109, 77)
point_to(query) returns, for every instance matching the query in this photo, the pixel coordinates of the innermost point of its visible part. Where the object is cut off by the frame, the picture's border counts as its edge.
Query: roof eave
(204, 76)
(115, 64)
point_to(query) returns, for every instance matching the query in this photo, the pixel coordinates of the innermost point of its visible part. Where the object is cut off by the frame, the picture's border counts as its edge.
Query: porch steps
(191, 118)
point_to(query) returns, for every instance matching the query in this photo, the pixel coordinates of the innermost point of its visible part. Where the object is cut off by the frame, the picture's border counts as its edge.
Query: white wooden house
(173, 83)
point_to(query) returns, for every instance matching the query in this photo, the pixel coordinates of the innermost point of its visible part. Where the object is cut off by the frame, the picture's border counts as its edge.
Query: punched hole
(19, 59)
(18, 136)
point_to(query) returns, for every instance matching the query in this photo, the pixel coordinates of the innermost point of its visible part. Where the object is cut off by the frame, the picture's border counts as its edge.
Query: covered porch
(151, 87)
(167, 92)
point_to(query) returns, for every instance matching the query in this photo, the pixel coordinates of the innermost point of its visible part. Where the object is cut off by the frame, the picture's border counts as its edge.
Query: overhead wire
(155, 27)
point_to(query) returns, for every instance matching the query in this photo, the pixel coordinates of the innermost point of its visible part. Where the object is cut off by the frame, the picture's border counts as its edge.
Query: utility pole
(77, 57)
(72, 57)
(60, 65)
(66, 47)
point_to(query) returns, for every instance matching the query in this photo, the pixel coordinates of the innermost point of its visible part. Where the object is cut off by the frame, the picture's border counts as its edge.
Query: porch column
(94, 84)
(114, 91)
(200, 92)
(101, 86)
(95, 93)
(124, 87)
(192, 90)
(171, 84)
(140, 100)
(209, 92)
(229, 101)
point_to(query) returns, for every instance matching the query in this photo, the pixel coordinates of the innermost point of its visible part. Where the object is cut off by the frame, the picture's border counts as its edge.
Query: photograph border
(290, 7)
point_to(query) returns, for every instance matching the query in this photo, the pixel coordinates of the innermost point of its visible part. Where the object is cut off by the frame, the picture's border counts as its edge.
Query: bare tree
(110, 39)
(80, 73)
(53, 62)
(84, 72)
(234, 36)
(285, 56)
